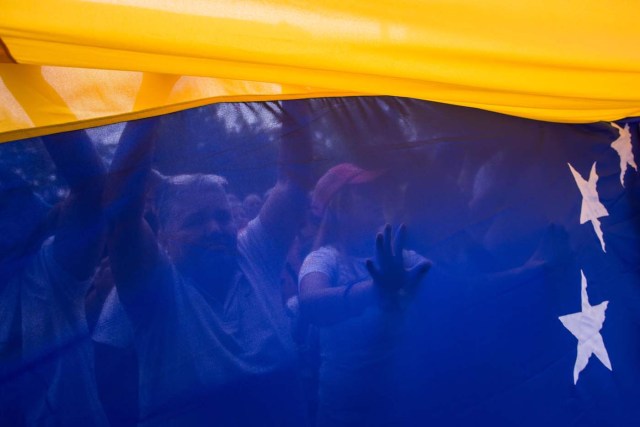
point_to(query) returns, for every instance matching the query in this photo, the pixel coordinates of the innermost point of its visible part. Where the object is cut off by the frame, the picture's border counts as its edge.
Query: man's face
(200, 234)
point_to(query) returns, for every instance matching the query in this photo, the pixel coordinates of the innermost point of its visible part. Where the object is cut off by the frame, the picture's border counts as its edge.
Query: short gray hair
(175, 186)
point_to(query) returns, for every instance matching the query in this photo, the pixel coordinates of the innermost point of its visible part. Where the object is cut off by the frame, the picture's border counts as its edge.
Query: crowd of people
(154, 300)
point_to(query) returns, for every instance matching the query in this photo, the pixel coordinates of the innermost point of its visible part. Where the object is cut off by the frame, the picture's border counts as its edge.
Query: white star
(623, 147)
(586, 326)
(592, 209)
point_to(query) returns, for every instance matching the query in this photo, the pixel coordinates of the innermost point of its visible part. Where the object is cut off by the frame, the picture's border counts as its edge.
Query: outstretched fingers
(387, 240)
(398, 244)
(373, 271)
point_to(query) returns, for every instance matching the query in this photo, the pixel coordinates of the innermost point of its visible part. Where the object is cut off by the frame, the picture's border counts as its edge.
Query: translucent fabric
(39, 100)
(229, 265)
(564, 62)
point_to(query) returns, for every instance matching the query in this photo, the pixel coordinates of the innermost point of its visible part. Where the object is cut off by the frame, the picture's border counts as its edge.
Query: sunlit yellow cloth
(36, 100)
(571, 61)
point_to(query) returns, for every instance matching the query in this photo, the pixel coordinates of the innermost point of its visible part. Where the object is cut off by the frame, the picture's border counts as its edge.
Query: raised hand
(390, 277)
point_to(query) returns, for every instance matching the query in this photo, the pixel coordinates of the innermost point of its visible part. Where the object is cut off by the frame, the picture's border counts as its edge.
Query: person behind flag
(42, 300)
(356, 302)
(210, 329)
(112, 334)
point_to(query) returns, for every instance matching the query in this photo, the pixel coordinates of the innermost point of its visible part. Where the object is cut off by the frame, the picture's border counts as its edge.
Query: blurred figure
(112, 332)
(22, 231)
(43, 293)
(252, 205)
(356, 302)
(116, 365)
(238, 212)
(23, 215)
(210, 329)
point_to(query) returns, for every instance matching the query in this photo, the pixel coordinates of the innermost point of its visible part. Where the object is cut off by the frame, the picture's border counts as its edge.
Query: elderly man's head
(196, 226)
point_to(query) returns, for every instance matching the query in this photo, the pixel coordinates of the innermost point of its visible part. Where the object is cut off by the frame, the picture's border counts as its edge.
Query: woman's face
(361, 214)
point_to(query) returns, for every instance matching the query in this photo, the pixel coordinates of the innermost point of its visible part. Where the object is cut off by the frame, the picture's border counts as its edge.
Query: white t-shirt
(357, 353)
(57, 379)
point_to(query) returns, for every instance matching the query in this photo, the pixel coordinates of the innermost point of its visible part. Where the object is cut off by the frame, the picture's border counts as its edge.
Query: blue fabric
(491, 200)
